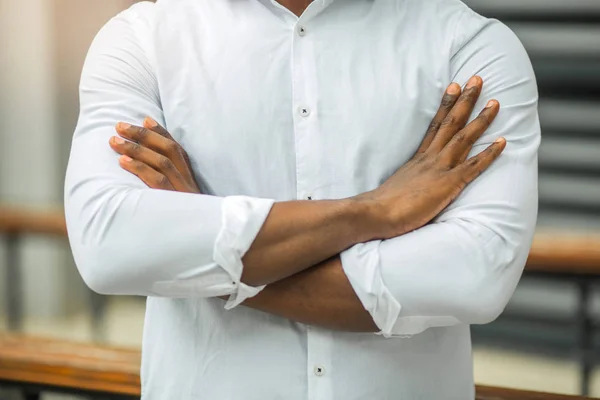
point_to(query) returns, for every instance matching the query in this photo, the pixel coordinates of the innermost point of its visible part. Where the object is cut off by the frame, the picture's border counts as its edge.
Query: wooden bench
(553, 255)
(575, 254)
(36, 365)
(575, 258)
(14, 223)
(17, 221)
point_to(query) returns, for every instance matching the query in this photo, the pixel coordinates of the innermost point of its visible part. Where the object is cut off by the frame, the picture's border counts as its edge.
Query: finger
(150, 158)
(156, 142)
(150, 123)
(148, 175)
(461, 144)
(476, 165)
(458, 116)
(448, 100)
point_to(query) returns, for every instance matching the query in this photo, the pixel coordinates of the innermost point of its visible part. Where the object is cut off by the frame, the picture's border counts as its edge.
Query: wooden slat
(492, 393)
(552, 252)
(69, 365)
(15, 220)
(78, 366)
(572, 254)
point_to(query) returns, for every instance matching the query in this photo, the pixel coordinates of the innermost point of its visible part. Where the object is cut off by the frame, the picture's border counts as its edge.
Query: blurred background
(546, 340)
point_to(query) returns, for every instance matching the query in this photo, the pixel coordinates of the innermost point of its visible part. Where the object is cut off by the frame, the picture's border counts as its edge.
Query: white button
(301, 31)
(319, 370)
(304, 111)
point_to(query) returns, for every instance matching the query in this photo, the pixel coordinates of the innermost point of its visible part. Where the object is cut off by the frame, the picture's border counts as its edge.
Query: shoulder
(121, 52)
(474, 43)
(140, 14)
(128, 28)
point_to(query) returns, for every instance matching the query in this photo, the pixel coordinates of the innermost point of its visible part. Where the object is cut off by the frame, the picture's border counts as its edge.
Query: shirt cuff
(242, 218)
(361, 263)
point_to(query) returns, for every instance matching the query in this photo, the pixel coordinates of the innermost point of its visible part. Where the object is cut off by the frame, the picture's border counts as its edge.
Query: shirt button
(304, 111)
(319, 370)
(301, 31)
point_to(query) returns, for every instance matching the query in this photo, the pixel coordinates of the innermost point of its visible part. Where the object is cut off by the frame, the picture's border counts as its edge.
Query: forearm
(299, 234)
(320, 296)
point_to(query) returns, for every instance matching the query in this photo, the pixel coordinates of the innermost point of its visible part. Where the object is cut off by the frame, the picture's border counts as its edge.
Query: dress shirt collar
(313, 9)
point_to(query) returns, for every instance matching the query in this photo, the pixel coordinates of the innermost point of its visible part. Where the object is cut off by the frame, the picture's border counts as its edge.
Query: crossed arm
(299, 235)
(300, 260)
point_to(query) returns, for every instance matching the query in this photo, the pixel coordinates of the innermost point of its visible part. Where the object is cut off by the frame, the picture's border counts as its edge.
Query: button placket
(305, 117)
(319, 346)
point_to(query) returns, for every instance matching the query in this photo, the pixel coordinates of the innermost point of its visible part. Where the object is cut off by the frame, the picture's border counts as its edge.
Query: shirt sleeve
(125, 237)
(465, 265)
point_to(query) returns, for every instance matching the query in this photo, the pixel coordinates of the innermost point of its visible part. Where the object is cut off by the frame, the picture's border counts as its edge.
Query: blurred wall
(42, 47)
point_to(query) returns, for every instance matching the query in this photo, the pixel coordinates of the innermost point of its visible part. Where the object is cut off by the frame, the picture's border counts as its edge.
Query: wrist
(368, 218)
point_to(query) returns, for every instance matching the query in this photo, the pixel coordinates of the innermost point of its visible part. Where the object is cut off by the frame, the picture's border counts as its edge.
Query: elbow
(489, 295)
(484, 309)
(495, 272)
(98, 270)
(103, 262)
(102, 266)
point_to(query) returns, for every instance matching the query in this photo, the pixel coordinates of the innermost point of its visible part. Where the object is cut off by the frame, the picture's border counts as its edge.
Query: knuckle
(173, 148)
(141, 134)
(420, 158)
(162, 181)
(483, 119)
(434, 126)
(183, 154)
(164, 164)
(134, 148)
(447, 101)
(460, 138)
(443, 164)
(471, 95)
(449, 121)
(473, 162)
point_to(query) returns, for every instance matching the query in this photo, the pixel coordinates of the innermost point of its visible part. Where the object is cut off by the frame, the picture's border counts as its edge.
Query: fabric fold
(242, 218)
(361, 264)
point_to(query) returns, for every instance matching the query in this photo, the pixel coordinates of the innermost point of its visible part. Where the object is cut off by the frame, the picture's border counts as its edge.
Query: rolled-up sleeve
(125, 237)
(465, 265)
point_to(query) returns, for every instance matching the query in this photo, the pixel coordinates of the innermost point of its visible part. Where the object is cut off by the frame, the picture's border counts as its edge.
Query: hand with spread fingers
(151, 153)
(421, 189)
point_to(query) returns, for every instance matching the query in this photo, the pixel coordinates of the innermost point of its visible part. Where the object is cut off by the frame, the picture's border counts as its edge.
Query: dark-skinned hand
(439, 171)
(415, 194)
(151, 153)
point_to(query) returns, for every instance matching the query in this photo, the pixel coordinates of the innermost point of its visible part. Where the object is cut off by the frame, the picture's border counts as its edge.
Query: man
(287, 167)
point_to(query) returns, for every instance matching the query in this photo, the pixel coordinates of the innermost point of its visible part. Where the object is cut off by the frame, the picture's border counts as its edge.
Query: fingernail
(453, 89)
(490, 104)
(118, 140)
(125, 158)
(499, 140)
(150, 122)
(474, 81)
(123, 126)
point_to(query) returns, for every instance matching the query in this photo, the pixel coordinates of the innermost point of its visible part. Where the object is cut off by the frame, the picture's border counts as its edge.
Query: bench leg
(584, 322)
(14, 284)
(31, 396)
(98, 305)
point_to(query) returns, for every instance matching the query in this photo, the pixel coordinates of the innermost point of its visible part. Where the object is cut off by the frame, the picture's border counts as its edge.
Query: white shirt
(272, 107)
